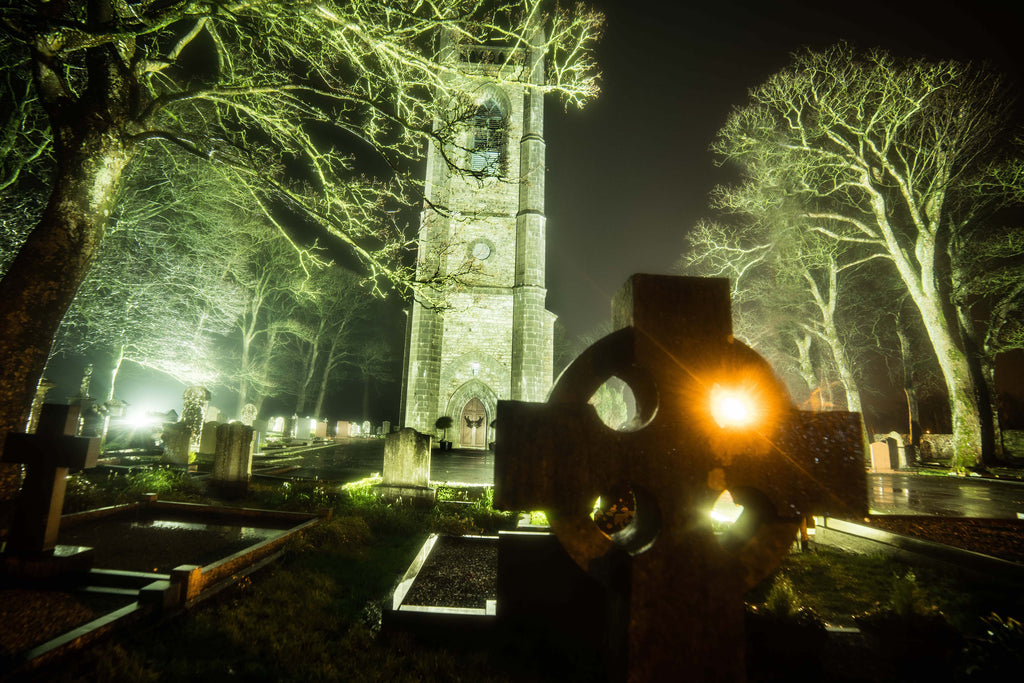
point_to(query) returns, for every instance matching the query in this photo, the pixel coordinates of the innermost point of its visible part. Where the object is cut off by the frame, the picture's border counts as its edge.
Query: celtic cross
(674, 348)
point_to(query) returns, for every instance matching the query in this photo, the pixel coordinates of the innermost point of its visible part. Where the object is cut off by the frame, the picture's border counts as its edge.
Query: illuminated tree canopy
(318, 109)
(896, 160)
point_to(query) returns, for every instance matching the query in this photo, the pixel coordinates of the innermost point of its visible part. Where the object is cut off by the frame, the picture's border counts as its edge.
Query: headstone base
(230, 489)
(417, 495)
(63, 560)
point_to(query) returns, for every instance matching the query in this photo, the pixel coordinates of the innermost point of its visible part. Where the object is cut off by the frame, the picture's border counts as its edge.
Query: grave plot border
(163, 596)
(426, 620)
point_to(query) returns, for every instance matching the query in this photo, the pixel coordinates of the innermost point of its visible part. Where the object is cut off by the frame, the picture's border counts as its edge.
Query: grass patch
(837, 585)
(88, 490)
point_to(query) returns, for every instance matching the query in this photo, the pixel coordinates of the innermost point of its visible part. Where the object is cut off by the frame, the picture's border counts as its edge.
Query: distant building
(493, 337)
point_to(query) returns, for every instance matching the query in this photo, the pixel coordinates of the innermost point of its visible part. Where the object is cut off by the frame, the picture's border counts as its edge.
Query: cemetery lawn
(315, 614)
(838, 585)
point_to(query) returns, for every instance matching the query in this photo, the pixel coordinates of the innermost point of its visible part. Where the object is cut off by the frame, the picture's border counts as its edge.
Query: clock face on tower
(480, 249)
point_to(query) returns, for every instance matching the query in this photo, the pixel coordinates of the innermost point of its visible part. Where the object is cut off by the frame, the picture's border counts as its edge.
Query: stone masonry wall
(495, 338)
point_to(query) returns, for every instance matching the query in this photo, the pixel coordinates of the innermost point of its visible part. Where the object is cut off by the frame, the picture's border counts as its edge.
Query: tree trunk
(41, 282)
(803, 345)
(118, 360)
(332, 359)
(909, 390)
(982, 369)
(243, 381)
(846, 378)
(963, 400)
(367, 378)
(310, 369)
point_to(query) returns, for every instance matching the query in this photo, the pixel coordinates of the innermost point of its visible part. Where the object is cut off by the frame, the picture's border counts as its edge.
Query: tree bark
(332, 360)
(310, 369)
(44, 276)
(981, 369)
(909, 390)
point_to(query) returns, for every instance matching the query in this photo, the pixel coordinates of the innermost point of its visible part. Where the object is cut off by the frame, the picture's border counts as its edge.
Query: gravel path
(460, 572)
(1002, 538)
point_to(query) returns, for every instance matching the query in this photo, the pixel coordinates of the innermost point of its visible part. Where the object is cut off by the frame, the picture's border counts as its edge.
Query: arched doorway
(473, 433)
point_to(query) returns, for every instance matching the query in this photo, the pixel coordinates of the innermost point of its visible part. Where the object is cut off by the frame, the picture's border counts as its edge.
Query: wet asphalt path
(899, 493)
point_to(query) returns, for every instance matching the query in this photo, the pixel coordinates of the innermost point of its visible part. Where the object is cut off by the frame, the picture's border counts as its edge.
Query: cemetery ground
(315, 614)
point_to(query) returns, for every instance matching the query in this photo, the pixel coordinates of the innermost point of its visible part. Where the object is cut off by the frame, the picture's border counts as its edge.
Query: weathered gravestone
(341, 432)
(678, 589)
(897, 450)
(232, 461)
(407, 467)
(177, 438)
(47, 455)
(260, 429)
(881, 460)
(208, 438)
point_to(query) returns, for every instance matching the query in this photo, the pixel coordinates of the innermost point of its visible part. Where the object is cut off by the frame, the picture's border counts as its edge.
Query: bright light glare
(726, 511)
(141, 419)
(731, 408)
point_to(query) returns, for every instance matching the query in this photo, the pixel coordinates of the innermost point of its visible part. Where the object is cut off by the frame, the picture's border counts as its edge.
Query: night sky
(631, 173)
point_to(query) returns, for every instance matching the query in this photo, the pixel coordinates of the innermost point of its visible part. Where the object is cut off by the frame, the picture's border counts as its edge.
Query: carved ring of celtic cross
(674, 348)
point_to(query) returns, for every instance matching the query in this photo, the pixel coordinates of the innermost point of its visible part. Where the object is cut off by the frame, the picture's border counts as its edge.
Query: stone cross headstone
(681, 592)
(47, 455)
(249, 414)
(232, 462)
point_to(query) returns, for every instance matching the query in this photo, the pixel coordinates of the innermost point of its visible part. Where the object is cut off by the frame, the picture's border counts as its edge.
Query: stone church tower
(493, 337)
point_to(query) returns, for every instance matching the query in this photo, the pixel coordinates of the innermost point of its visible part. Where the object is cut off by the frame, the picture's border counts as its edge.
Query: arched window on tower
(487, 139)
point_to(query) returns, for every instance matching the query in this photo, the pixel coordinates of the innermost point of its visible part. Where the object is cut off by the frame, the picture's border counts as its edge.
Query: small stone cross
(47, 455)
(684, 586)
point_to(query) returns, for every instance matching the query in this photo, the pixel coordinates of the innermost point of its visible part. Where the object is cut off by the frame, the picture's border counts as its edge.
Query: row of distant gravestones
(893, 451)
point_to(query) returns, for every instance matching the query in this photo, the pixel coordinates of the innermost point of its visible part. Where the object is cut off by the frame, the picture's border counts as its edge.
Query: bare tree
(294, 99)
(785, 292)
(157, 295)
(332, 324)
(886, 156)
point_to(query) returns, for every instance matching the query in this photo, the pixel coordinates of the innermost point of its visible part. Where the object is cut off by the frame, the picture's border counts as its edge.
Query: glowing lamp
(731, 408)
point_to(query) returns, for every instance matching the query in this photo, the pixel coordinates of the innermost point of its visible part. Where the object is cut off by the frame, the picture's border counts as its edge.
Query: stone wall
(494, 338)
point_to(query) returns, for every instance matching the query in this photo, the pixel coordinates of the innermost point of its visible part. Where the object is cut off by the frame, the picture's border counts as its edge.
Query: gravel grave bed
(31, 617)
(460, 572)
(1002, 538)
